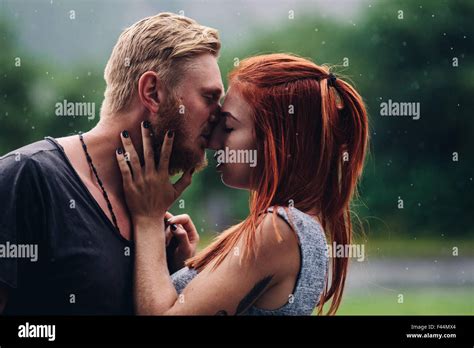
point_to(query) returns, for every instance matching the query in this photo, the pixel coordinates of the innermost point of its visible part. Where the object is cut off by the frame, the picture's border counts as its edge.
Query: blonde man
(66, 196)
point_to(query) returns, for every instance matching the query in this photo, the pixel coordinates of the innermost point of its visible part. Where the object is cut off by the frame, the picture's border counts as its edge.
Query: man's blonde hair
(163, 43)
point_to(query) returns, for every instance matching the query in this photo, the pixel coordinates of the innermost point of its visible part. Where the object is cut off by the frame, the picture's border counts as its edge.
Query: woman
(310, 131)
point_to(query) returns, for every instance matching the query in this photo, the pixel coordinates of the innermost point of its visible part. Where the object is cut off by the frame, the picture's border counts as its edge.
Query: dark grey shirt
(83, 266)
(313, 269)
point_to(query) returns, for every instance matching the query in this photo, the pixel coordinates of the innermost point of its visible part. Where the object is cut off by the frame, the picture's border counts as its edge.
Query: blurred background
(416, 201)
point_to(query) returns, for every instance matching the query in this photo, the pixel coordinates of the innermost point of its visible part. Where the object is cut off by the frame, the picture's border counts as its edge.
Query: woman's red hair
(312, 137)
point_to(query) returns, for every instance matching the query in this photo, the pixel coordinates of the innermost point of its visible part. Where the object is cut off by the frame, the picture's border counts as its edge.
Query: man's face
(192, 114)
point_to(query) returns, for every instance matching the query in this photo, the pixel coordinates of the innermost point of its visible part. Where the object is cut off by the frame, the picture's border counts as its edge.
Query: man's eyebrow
(228, 114)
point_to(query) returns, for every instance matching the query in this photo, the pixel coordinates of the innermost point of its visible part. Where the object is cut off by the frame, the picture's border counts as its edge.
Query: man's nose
(215, 115)
(215, 141)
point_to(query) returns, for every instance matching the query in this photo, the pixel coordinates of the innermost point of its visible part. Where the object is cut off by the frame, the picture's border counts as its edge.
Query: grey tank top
(312, 274)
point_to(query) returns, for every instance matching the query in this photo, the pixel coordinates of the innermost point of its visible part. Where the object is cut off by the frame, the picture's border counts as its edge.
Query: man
(65, 195)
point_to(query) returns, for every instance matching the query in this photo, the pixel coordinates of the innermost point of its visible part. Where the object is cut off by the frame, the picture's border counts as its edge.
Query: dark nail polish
(146, 124)
(125, 134)
(173, 227)
(119, 150)
(170, 134)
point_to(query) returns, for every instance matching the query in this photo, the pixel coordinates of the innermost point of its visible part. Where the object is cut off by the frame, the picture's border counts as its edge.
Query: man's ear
(150, 91)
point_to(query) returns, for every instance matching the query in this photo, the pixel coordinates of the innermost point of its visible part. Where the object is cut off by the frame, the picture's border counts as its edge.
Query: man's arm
(19, 217)
(3, 298)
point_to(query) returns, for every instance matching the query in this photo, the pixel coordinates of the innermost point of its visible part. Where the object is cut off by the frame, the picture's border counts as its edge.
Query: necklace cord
(106, 197)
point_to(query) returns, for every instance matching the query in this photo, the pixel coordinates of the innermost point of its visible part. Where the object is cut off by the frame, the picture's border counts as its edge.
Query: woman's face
(234, 142)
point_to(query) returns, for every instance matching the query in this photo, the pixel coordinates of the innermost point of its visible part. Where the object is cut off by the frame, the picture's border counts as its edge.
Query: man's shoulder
(34, 156)
(32, 149)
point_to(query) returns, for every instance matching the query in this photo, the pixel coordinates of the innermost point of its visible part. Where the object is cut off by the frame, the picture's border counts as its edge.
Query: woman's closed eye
(227, 129)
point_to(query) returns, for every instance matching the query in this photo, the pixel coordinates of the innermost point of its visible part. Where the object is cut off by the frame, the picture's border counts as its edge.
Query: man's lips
(205, 139)
(209, 128)
(206, 136)
(207, 131)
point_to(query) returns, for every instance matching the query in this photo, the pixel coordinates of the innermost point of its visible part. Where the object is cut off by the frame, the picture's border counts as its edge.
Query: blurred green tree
(394, 50)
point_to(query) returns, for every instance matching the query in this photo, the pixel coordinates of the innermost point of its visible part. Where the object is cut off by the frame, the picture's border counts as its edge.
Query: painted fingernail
(170, 134)
(146, 124)
(119, 150)
(125, 134)
(173, 227)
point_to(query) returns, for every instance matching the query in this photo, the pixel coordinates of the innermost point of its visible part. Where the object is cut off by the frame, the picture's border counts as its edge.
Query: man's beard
(185, 155)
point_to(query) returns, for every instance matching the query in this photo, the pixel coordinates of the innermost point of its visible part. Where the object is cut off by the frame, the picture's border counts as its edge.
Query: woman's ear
(150, 91)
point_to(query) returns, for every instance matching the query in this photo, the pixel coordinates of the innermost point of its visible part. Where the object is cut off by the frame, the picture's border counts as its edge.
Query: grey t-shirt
(313, 270)
(83, 265)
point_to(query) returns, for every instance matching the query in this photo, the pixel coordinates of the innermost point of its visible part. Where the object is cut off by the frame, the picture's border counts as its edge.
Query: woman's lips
(219, 164)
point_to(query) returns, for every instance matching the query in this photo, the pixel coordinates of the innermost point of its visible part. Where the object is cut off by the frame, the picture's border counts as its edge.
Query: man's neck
(102, 142)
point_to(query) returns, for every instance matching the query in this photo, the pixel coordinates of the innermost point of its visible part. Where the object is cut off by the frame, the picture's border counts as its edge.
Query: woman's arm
(153, 286)
(231, 288)
(228, 289)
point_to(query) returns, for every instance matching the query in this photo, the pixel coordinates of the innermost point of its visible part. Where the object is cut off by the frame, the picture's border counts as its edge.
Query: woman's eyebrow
(228, 114)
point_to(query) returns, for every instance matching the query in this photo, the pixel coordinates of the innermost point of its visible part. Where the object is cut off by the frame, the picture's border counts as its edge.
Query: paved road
(452, 272)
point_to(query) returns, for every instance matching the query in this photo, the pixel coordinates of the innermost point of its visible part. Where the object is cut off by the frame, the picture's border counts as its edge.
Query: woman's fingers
(124, 168)
(182, 219)
(148, 155)
(168, 227)
(183, 182)
(182, 236)
(166, 152)
(131, 155)
(188, 225)
(168, 235)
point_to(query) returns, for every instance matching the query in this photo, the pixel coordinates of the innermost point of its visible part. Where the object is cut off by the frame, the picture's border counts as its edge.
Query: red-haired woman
(309, 130)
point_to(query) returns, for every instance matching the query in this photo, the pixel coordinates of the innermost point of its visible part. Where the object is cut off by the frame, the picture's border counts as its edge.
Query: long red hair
(312, 135)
